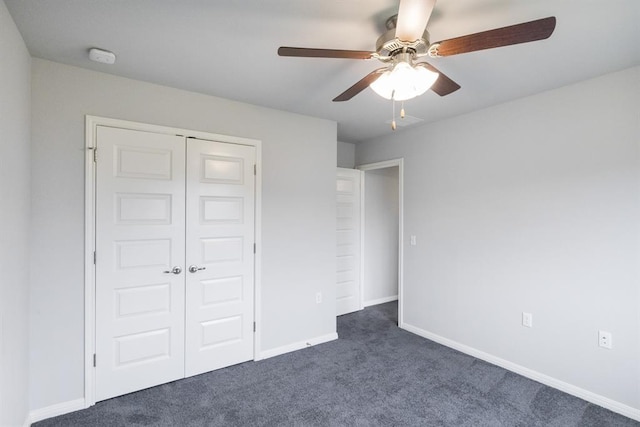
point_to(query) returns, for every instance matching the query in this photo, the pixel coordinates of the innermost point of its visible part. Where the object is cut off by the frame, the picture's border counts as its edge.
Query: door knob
(174, 270)
(194, 268)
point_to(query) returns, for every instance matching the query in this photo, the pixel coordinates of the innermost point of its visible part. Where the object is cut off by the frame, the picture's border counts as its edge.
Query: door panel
(220, 239)
(140, 214)
(348, 297)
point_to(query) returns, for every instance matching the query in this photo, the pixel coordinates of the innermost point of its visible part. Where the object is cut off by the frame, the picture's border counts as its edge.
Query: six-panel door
(220, 224)
(150, 328)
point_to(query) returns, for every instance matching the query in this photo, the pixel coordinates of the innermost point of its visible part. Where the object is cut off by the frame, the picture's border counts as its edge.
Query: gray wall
(15, 116)
(533, 206)
(299, 158)
(381, 215)
(346, 154)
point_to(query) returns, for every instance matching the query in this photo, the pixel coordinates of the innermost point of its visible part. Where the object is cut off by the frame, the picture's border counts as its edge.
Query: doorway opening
(382, 233)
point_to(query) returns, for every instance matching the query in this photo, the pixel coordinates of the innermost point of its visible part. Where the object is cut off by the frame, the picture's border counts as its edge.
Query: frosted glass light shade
(404, 82)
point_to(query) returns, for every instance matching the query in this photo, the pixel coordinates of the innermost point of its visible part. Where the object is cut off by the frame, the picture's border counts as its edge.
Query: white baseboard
(297, 346)
(380, 300)
(589, 396)
(55, 410)
(27, 421)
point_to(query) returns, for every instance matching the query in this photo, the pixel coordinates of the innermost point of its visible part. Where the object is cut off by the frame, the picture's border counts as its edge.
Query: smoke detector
(102, 56)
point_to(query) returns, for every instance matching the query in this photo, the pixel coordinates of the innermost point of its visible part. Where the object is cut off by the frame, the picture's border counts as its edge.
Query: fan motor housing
(388, 45)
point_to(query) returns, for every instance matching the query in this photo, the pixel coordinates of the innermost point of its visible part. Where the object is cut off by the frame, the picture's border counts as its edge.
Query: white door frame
(382, 165)
(91, 124)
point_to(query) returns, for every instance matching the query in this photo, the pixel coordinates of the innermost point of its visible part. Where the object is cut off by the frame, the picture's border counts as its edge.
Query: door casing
(91, 123)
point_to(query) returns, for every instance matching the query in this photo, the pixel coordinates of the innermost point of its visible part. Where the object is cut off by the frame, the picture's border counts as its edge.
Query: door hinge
(254, 326)
(94, 257)
(95, 155)
(255, 169)
(94, 360)
(254, 248)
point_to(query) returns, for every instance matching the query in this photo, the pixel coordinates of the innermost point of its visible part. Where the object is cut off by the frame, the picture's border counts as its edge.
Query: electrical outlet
(605, 339)
(413, 240)
(318, 297)
(527, 320)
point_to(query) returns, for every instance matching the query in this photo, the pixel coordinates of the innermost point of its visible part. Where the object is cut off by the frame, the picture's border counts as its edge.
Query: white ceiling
(227, 48)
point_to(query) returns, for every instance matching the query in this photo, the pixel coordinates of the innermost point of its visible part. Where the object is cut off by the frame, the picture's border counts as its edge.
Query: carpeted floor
(375, 375)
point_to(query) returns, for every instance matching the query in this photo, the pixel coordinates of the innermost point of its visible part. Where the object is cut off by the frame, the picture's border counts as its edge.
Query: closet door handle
(174, 270)
(194, 268)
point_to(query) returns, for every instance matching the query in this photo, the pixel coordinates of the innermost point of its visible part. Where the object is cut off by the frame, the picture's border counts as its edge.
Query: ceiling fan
(404, 76)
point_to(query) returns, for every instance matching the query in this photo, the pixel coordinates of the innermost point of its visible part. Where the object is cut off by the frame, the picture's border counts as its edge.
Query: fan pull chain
(393, 110)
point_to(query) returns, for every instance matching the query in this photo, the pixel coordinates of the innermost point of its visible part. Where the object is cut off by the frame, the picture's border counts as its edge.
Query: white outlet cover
(527, 320)
(605, 339)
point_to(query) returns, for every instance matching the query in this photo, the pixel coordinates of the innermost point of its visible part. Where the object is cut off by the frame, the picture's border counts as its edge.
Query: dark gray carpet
(375, 375)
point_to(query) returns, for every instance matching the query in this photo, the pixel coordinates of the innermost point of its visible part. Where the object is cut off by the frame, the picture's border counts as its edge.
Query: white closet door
(140, 217)
(220, 252)
(348, 293)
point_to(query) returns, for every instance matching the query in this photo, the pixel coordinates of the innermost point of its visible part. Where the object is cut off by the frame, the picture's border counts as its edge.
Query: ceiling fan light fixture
(404, 81)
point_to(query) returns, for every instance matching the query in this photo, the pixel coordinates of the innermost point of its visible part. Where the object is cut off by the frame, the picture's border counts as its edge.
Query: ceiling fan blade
(443, 85)
(324, 53)
(413, 16)
(515, 34)
(360, 86)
